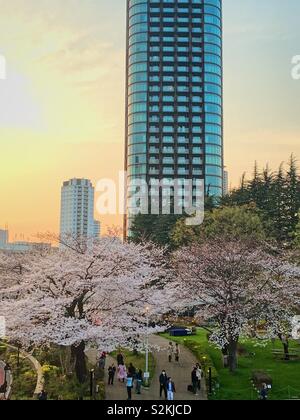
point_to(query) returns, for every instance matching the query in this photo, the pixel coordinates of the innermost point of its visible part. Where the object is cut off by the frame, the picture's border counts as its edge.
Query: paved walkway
(180, 373)
(36, 365)
(2, 380)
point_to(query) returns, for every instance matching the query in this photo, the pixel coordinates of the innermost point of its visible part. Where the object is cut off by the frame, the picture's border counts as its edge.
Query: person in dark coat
(111, 374)
(102, 361)
(132, 371)
(163, 381)
(195, 380)
(139, 381)
(43, 396)
(264, 392)
(170, 389)
(120, 359)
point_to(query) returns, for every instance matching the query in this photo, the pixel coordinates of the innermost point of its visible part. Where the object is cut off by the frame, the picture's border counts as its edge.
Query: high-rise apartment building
(77, 209)
(3, 238)
(226, 183)
(174, 106)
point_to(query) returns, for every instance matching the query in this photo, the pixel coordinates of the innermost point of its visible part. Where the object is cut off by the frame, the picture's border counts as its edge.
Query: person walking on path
(163, 381)
(122, 373)
(195, 380)
(177, 353)
(120, 359)
(43, 396)
(170, 351)
(139, 381)
(111, 374)
(129, 385)
(199, 376)
(102, 361)
(132, 370)
(170, 389)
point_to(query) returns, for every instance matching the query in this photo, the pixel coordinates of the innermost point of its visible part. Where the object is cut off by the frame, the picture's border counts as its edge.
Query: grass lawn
(285, 375)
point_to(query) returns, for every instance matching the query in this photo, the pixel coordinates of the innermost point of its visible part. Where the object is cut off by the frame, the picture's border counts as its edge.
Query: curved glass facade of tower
(174, 91)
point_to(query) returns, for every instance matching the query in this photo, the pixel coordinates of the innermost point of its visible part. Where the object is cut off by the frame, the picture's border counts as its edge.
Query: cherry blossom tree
(238, 286)
(92, 293)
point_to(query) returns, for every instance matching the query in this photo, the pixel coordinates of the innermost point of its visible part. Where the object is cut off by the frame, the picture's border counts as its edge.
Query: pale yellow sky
(62, 104)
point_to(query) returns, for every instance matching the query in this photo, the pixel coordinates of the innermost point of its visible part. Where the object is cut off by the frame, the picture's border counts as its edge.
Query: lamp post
(147, 347)
(210, 380)
(92, 375)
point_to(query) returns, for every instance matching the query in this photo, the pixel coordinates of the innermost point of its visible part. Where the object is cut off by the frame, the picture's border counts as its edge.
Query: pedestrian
(111, 374)
(129, 385)
(163, 381)
(177, 352)
(170, 389)
(195, 380)
(170, 352)
(139, 381)
(132, 371)
(264, 392)
(102, 361)
(199, 376)
(122, 373)
(42, 396)
(120, 359)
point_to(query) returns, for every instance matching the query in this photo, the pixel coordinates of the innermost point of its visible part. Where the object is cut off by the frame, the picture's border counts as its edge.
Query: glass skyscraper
(174, 109)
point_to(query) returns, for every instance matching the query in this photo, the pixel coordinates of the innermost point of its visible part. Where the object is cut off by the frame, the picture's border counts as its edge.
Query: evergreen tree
(277, 196)
(293, 197)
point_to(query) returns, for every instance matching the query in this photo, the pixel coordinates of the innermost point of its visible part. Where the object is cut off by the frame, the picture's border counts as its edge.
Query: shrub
(259, 377)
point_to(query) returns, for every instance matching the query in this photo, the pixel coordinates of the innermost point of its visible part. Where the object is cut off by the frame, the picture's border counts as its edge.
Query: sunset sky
(62, 104)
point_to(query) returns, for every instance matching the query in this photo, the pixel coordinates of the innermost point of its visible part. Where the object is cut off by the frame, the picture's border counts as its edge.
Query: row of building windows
(142, 127)
(196, 119)
(179, 31)
(177, 50)
(211, 38)
(137, 142)
(211, 170)
(143, 97)
(173, 7)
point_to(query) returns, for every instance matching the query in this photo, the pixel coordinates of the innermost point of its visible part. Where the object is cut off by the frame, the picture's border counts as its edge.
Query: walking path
(179, 372)
(8, 378)
(36, 365)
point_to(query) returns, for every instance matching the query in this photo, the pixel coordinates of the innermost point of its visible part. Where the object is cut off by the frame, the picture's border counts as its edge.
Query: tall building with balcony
(174, 97)
(77, 209)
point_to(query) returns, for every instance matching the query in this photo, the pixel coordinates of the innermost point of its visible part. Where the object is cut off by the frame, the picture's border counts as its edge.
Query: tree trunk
(80, 362)
(232, 355)
(225, 350)
(286, 346)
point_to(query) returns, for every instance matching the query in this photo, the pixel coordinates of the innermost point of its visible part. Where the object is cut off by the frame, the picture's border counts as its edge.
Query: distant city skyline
(62, 104)
(18, 245)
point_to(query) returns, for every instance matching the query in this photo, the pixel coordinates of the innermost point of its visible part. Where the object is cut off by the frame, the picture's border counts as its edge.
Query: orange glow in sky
(62, 103)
